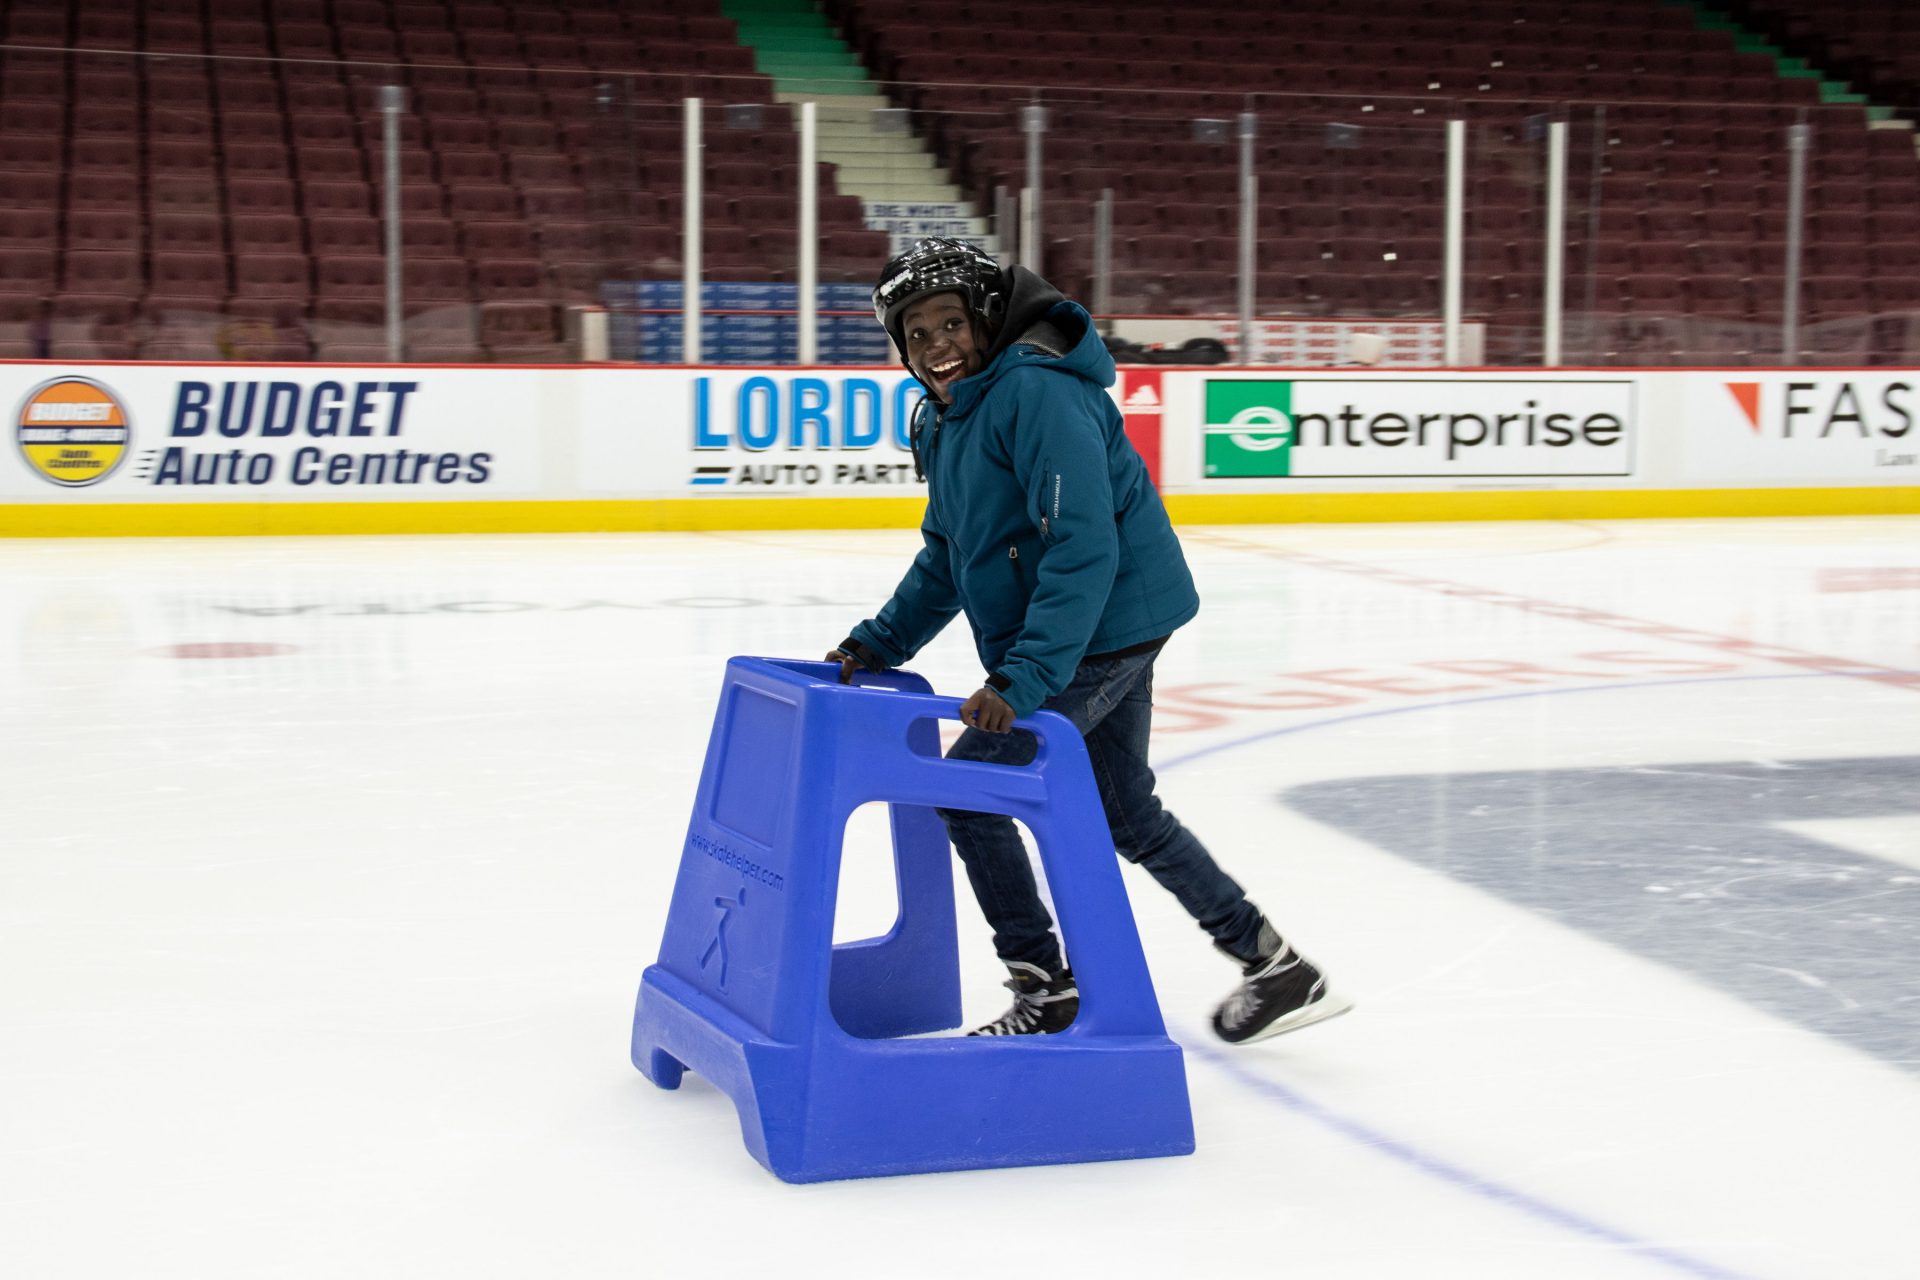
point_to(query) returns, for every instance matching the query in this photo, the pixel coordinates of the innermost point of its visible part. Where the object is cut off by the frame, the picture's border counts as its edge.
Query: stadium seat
(348, 235)
(265, 233)
(273, 276)
(187, 282)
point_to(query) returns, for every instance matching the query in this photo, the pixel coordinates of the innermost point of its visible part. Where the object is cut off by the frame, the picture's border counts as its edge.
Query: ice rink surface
(330, 867)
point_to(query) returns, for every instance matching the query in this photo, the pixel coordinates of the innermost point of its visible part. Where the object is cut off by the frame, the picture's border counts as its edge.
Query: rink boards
(302, 448)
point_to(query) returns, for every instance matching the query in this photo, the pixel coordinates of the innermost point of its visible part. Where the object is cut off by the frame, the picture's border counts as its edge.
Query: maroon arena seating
(151, 195)
(168, 165)
(1689, 152)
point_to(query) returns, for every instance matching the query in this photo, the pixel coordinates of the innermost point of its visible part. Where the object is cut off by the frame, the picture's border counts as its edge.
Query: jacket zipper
(932, 447)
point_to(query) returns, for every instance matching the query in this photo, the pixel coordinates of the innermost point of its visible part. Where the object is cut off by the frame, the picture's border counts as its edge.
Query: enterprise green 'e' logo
(1249, 429)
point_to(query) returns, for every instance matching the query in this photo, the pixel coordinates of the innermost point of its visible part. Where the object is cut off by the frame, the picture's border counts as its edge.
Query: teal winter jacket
(1041, 523)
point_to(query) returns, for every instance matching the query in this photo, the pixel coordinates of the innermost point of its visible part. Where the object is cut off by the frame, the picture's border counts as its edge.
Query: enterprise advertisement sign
(1303, 428)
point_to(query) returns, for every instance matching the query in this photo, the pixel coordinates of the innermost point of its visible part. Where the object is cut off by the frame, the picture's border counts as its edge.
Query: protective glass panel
(635, 206)
(1351, 218)
(200, 189)
(1503, 253)
(1860, 238)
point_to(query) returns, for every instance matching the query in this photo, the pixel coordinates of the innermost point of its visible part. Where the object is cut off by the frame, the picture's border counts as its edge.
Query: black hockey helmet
(939, 265)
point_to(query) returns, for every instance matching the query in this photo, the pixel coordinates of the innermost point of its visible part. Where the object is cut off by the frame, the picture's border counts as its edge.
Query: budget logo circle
(73, 432)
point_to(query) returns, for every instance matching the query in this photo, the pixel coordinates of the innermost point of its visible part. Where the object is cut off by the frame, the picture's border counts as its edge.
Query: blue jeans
(1111, 703)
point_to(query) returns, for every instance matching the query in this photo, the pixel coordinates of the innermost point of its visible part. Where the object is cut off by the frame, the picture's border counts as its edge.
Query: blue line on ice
(1454, 1175)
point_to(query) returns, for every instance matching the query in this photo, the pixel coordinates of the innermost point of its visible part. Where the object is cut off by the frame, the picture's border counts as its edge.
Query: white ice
(322, 963)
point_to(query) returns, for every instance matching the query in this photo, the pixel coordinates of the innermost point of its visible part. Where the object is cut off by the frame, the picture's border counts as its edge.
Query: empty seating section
(1678, 164)
(203, 179)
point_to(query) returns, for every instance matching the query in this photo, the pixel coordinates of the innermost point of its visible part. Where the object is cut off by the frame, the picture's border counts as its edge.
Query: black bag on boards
(1192, 351)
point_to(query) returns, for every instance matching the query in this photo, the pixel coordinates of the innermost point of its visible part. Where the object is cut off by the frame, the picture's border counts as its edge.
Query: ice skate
(1279, 991)
(1043, 1003)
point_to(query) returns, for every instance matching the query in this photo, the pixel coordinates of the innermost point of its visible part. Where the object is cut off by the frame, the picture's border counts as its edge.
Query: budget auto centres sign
(165, 433)
(1805, 425)
(1307, 428)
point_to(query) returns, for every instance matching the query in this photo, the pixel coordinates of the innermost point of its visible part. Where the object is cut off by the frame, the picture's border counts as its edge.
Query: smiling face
(941, 348)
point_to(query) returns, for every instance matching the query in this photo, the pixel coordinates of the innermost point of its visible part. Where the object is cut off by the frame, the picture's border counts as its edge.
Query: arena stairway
(877, 156)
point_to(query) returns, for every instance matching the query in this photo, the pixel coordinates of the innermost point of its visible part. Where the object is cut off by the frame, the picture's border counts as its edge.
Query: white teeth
(944, 369)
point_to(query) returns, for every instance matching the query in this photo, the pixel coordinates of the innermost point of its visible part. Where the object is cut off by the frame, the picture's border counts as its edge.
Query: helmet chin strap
(983, 335)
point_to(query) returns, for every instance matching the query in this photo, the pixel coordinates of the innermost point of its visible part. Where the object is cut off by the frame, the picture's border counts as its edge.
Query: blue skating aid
(751, 992)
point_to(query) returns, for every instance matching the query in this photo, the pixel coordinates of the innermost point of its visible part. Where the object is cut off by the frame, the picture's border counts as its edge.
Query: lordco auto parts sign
(1303, 428)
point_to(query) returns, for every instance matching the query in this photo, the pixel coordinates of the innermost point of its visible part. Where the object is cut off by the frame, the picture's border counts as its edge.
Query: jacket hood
(1029, 299)
(1042, 327)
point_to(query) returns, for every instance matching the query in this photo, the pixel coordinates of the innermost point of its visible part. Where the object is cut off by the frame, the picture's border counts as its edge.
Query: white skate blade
(1330, 1005)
